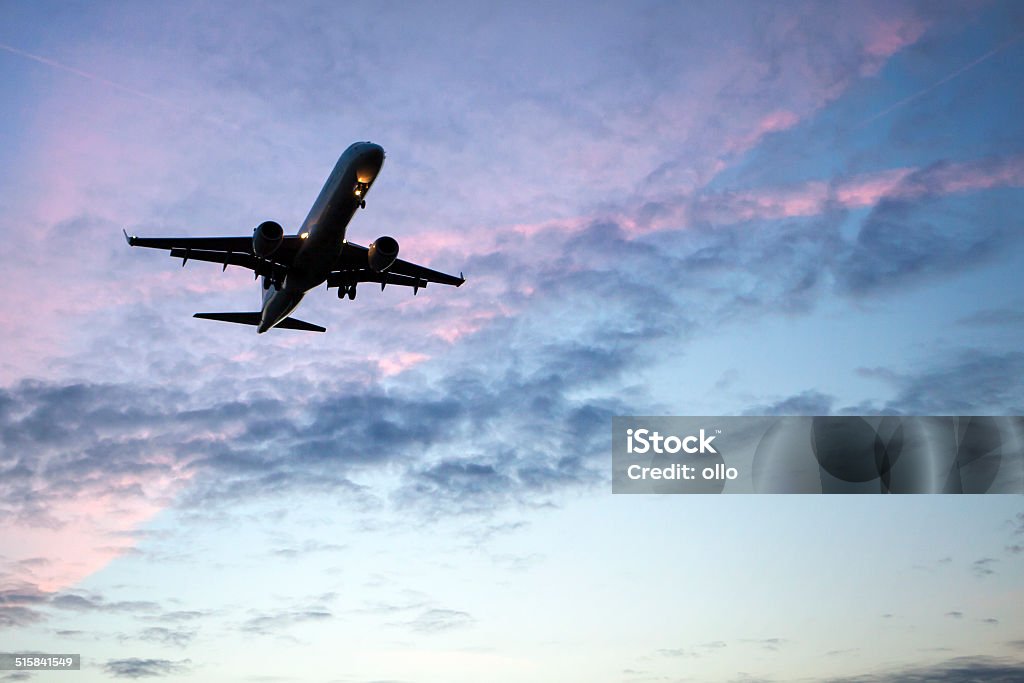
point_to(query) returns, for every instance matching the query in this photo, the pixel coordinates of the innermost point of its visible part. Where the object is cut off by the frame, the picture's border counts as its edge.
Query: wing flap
(226, 258)
(351, 277)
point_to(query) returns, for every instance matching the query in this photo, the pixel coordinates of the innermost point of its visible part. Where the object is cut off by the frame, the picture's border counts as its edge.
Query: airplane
(291, 265)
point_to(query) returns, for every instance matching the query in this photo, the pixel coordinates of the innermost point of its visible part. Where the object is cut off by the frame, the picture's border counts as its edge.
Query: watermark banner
(846, 454)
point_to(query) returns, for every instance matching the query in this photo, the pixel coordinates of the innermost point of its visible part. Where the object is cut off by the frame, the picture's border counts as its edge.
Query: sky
(660, 208)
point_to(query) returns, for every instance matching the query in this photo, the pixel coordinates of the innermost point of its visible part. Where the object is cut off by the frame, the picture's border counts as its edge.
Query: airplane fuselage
(323, 231)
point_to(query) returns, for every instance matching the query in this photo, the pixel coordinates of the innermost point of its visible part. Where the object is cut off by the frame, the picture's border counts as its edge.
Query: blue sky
(691, 208)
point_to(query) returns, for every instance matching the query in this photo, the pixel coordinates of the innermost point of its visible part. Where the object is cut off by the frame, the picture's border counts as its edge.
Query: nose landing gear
(360, 191)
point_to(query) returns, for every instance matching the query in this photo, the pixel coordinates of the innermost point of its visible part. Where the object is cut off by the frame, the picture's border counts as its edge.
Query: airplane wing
(353, 267)
(228, 251)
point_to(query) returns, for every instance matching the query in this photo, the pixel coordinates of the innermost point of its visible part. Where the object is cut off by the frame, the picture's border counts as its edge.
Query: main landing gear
(350, 290)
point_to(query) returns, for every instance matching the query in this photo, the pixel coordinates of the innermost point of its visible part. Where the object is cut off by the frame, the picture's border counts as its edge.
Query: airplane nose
(373, 153)
(370, 159)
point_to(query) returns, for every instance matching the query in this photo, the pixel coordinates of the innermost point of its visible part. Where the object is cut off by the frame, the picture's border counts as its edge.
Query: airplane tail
(254, 320)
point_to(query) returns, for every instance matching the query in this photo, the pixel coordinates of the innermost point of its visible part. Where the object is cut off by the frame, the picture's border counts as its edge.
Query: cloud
(26, 604)
(307, 547)
(805, 403)
(958, 670)
(276, 622)
(700, 650)
(993, 317)
(983, 567)
(771, 644)
(273, 623)
(19, 605)
(145, 668)
(162, 635)
(902, 239)
(437, 620)
(969, 382)
(82, 603)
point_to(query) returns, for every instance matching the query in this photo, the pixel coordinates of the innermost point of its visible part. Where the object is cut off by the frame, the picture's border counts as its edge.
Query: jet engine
(266, 238)
(382, 253)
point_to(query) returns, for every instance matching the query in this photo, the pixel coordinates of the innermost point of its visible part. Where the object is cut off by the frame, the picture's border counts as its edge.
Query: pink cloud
(774, 122)
(815, 197)
(399, 362)
(465, 324)
(888, 36)
(83, 532)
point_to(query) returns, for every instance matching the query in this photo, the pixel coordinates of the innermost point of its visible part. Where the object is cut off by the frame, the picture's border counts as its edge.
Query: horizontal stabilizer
(254, 320)
(296, 324)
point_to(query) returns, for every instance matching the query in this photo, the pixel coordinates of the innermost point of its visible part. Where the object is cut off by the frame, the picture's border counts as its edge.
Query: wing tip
(130, 239)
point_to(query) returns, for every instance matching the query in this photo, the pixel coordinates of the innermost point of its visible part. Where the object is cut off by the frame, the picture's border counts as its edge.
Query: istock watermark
(646, 440)
(818, 454)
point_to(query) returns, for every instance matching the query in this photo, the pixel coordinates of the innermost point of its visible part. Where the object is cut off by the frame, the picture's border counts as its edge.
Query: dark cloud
(27, 604)
(955, 615)
(983, 567)
(19, 605)
(93, 603)
(958, 670)
(969, 382)
(145, 668)
(972, 382)
(805, 403)
(905, 239)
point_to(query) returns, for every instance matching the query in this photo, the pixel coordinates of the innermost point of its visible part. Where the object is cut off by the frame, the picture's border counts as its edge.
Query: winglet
(129, 240)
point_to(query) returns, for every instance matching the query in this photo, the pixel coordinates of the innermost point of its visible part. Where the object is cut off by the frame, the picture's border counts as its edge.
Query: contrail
(921, 93)
(91, 77)
(167, 104)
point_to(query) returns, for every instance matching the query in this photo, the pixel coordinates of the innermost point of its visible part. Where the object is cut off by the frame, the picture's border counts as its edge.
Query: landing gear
(360, 191)
(349, 290)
